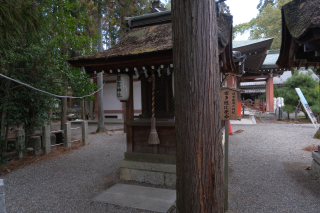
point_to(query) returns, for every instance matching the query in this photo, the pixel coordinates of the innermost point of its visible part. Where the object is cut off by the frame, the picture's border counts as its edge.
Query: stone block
(125, 174)
(53, 140)
(315, 168)
(46, 141)
(316, 156)
(20, 142)
(156, 178)
(1, 186)
(67, 135)
(35, 143)
(170, 179)
(84, 126)
(157, 167)
(2, 198)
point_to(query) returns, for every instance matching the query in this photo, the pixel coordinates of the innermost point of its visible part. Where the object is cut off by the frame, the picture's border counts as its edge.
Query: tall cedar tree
(197, 107)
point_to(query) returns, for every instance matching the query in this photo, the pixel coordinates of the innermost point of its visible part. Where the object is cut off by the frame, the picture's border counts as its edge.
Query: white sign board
(307, 108)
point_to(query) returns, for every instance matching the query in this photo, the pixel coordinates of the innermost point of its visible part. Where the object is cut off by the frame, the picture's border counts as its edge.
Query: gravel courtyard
(267, 173)
(268, 169)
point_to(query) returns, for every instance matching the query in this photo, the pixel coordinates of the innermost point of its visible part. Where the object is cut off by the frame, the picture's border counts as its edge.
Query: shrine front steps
(154, 173)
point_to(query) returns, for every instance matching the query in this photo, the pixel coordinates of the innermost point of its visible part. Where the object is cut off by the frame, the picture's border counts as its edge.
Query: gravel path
(268, 169)
(267, 174)
(69, 182)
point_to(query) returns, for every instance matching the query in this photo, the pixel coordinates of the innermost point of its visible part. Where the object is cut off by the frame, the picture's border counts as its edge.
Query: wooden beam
(254, 77)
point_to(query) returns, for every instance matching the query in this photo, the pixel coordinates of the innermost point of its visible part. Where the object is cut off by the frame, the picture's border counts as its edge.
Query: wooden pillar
(269, 94)
(144, 102)
(95, 102)
(130, 116)
(101, 127)
(230, 81)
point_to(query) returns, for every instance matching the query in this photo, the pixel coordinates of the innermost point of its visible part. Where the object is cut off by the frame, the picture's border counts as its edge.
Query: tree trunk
(99, 25)
(197, 107)
(4, 108)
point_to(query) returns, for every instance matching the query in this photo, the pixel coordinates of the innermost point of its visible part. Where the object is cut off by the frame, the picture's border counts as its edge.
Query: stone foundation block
(35, 143)
(53, 141)
(154, 173)
(315, 165)
(2, 198)
(170, 179)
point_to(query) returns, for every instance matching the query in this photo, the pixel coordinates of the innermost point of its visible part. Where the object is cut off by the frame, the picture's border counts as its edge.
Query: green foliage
(40, 61)
(267, 24)
(309, 88)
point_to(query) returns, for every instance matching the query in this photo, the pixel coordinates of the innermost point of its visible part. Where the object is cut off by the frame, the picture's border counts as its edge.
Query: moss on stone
(317, 135)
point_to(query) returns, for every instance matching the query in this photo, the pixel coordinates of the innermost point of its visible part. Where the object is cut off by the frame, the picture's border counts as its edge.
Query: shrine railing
(254, 105)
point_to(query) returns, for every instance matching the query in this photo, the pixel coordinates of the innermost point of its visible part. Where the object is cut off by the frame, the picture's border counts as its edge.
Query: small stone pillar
(35, 143)
(67, 135)
(20, 142)
(315, 165)
(84, 126)
(46, 141)
(53, 140)
(2, 198)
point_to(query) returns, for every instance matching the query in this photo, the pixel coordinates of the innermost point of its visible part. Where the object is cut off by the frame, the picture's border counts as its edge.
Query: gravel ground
(268, 169)
(69, 182)
(267, 173)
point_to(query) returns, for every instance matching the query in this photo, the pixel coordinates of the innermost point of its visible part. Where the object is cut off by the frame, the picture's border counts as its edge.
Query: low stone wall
(154, 173)
(315, 165)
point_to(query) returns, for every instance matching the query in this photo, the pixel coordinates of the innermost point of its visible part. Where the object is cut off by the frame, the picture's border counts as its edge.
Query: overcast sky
(242, 11)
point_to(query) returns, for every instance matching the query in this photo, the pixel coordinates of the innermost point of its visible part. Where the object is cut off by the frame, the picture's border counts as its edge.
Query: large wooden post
(101, 127)
(270, 95)
(200, 185)
(130, 116)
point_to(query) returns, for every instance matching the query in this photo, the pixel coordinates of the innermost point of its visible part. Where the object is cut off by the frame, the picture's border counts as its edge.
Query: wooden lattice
(160, 97)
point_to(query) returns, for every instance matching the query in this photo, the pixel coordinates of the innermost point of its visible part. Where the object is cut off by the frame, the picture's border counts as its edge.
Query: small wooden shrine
(146, 51)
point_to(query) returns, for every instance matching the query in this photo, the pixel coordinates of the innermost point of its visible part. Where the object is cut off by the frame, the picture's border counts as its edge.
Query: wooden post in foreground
(226, 166)
(200, 185)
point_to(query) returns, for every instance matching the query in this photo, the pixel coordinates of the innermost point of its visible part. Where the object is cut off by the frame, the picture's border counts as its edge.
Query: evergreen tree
(308, 86)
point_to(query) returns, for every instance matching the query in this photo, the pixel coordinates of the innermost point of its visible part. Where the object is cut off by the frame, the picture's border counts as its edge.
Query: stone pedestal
(315, 165)
(53, 141)
(35, 143)
(20, 142)
(67, 135)
(2, 198)
(46, 141)
(84, 126)
(154, 173)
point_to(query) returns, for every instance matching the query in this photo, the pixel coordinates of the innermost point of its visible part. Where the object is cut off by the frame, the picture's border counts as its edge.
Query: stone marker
(53, 140)
(84, 125)
(46, 142)
(20, 142)
(35, 143)
(67, 135)
(2, 198)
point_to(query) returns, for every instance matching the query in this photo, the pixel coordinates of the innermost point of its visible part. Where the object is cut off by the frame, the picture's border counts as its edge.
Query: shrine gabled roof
(153, 37)
(300, 34)
(301, 16)
(256, 51)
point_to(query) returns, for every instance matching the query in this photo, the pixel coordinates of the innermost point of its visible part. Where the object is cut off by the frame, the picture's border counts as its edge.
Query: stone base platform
(315, 165)
(154, 173)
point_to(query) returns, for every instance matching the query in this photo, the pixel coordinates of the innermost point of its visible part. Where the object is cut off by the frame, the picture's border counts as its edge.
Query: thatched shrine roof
(152, 39)
(301, 16)
(300, 46)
